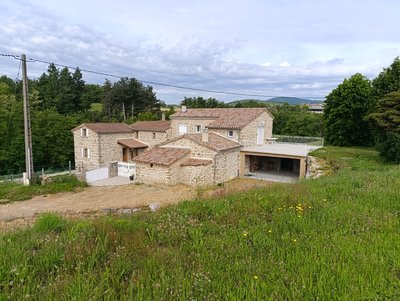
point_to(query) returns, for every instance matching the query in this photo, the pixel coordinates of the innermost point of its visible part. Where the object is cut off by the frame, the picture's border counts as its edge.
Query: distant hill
(289, 100)
(293, 100)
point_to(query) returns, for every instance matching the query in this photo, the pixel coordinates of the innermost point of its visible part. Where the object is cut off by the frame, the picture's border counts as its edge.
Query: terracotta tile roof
(151, 126)
(196, 162)
(231, 118)
(105, 128)
(215, 142)
(132, 143)
(162, 155)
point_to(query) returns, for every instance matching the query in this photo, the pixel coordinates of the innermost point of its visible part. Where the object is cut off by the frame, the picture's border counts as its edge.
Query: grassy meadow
(12, 191)
(332, 238)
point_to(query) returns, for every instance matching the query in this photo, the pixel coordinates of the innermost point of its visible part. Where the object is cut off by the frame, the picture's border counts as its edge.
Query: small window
(85, 152)
(151, 165)
(198, 128)
(84, 132)
(230, 133)
(154, 135)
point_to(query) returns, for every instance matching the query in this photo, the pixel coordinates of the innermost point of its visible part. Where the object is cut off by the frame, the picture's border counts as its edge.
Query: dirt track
(93, 199)
(96, 198)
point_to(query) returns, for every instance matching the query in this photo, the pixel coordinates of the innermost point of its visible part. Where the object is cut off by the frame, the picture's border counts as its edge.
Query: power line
(32, 60)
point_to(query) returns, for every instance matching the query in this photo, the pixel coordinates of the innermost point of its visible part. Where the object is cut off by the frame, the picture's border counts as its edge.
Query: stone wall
(226, 165)
(109, 149)
(197, 175)
(248, 135)
(102, 149)
(197, 151)
(191, 124)
(91, 143)
(224, 133)
(153, 138)
(158, 174)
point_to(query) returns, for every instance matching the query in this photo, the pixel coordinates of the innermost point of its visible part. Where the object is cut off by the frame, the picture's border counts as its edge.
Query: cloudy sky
(265, 47)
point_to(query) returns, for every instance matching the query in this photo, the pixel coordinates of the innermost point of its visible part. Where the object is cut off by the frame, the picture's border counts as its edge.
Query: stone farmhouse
(196, 147)
(98, 144)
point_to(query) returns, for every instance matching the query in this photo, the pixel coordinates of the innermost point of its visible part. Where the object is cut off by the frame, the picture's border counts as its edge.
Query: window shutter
(81, 132)
(88, 153)
(82, 152)
(87, 132)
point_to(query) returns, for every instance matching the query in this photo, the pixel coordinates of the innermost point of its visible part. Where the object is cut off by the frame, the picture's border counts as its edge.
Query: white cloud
(195, 45)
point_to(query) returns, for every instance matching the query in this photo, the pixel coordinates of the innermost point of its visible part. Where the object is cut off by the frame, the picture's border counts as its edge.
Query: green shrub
(389, 148)
(50, 222)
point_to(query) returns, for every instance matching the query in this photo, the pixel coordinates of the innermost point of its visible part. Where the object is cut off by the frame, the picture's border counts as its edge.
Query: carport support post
(303, 167)
(242, 163)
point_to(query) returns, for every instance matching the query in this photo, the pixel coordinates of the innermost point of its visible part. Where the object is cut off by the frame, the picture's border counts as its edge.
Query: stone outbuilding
(193, 159)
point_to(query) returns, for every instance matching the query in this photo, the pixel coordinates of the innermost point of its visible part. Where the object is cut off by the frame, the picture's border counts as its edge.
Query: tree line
(363, 112)
(59, 101)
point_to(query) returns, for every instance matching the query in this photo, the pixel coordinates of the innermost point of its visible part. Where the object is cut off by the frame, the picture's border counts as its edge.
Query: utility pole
(27, 124)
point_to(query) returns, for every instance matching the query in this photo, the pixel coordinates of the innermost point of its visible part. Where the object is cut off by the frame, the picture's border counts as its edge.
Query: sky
(302, 48)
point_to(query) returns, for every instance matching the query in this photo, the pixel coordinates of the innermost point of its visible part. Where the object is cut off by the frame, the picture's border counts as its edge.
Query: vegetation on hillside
(358, 111)
(333, 238)
(12, 191)
(61, 100)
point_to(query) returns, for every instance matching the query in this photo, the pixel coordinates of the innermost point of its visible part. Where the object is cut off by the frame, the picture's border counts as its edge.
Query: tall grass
(333, 238)
(11, 191)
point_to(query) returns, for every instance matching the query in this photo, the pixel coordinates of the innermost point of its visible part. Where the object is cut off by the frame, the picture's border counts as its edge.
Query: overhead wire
(33, 60)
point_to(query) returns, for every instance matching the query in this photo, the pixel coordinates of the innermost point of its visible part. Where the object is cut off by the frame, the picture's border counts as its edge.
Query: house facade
(96, 144)
(196, 147)
(247, 126)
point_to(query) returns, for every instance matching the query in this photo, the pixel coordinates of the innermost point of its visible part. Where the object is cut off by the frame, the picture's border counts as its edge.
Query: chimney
(204, 135)
(183, 110)
(162, 116)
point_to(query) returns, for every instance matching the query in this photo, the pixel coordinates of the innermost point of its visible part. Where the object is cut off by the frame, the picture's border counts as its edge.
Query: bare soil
(91, 200)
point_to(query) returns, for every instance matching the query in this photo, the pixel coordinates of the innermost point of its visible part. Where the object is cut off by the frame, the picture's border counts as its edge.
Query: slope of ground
(333, 238)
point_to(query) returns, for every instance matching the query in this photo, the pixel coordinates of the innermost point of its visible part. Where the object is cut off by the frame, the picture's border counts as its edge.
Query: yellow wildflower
(255, 277)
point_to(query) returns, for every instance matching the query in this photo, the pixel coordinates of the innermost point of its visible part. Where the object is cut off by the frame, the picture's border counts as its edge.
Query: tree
(130, 97)
(386, 116)
(200, 102)
(344, 112)
(61, 90)
(107, 100)
(388, 80)
(91, 94)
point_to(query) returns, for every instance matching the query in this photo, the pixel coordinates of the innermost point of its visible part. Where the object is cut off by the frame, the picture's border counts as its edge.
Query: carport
(276, 162)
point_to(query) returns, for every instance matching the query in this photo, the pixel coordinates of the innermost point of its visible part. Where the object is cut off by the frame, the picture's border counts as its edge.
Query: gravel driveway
(97, 198)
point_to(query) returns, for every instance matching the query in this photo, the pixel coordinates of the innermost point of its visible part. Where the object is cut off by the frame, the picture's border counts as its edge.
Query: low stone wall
(197, 175)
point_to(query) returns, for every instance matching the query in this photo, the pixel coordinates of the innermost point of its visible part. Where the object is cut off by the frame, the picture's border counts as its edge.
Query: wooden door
(125, 154)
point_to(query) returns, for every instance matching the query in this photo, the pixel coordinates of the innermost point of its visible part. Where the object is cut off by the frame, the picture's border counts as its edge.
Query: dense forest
(61, 100)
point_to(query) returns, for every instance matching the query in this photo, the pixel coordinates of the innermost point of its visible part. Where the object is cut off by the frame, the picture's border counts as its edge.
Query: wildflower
(244, 234)
(269, 231)
(255, 277)
(299, 216)
(294, 240)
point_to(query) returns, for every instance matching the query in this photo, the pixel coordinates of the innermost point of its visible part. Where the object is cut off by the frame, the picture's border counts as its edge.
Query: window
(230, 133)
(85, 153)
(154, 135)
(182, 129)
(84, 132)
(198, 128)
